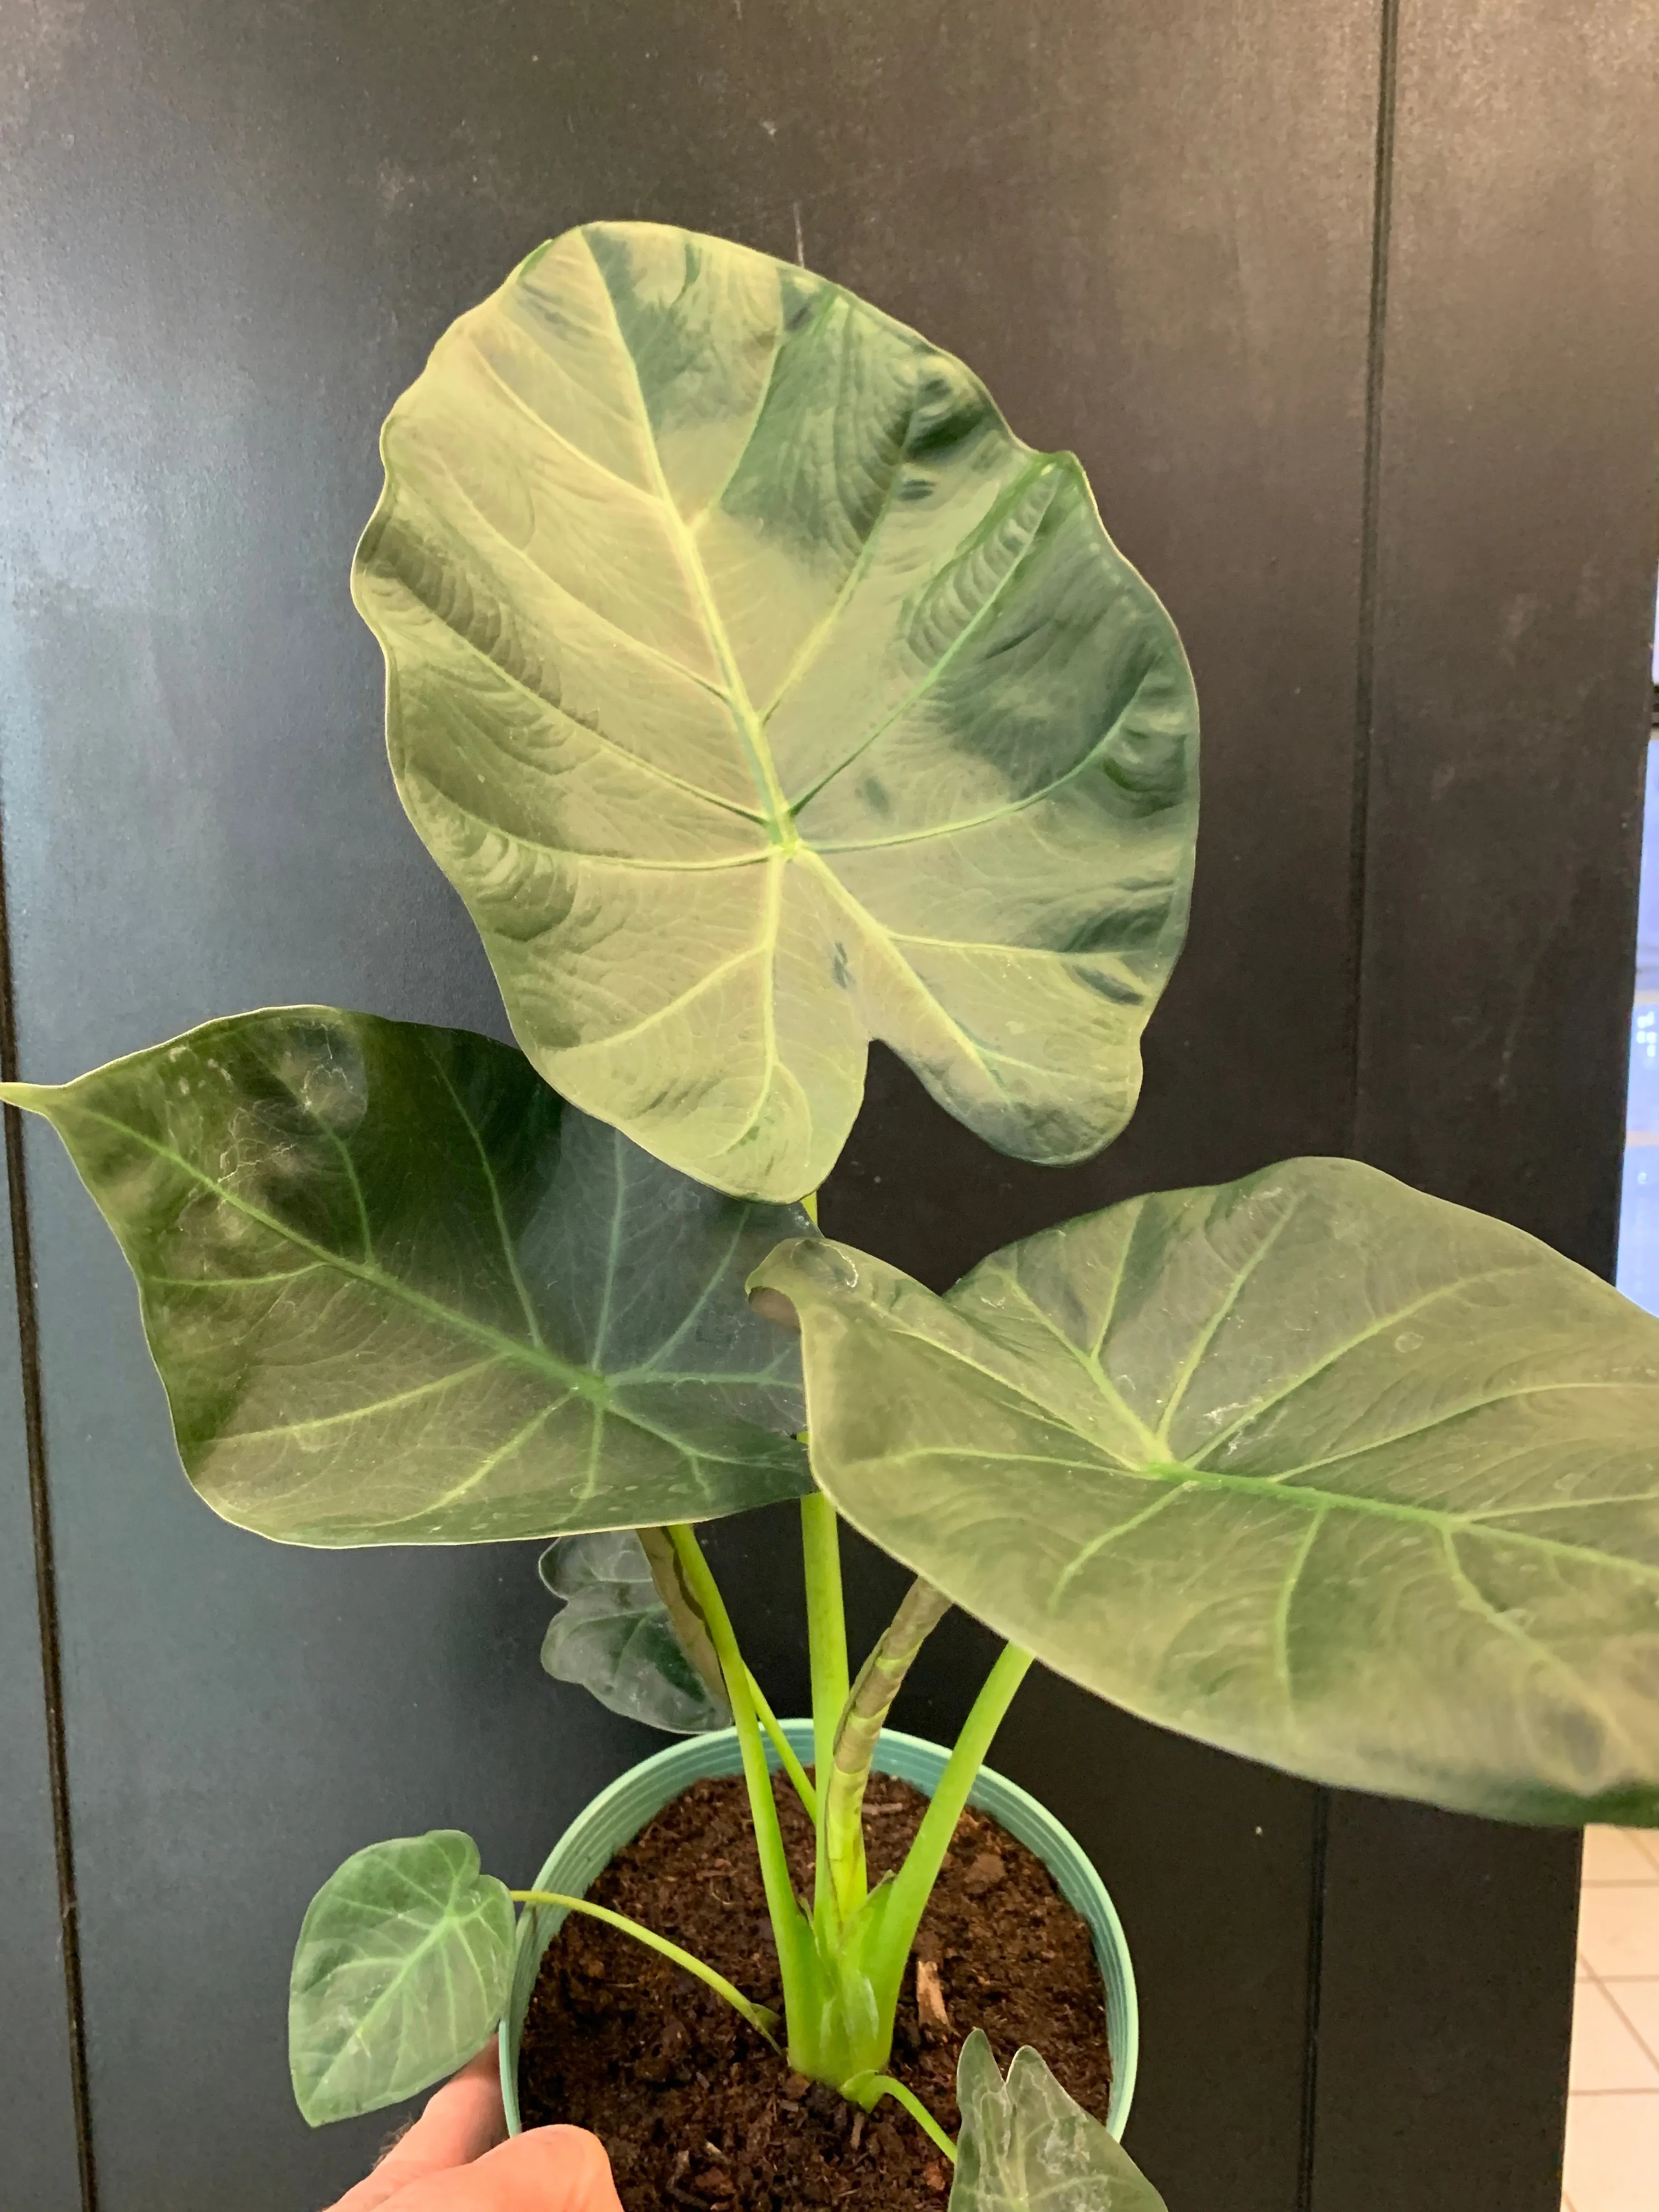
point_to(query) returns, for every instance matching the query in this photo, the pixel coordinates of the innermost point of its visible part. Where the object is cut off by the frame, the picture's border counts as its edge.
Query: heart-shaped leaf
(1310, 1465)
(1027, 2147)
(761, 694)
(614, 1635)
(399, 1292)
(402, 1967)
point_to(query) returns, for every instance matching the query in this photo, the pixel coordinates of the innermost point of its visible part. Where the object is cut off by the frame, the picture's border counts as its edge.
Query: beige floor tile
(1639, 2003)
(1581, 1972)
(1617, 1855)
(1646, 1841)
(1613, 2153)
(1606, 2053)
(1618, 1931)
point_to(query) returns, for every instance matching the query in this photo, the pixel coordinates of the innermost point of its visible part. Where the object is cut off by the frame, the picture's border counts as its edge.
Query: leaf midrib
(536, 1358)
(453, 1924)
(782, 813)
(1173, 1473)
(597, 1389)
(780, 824)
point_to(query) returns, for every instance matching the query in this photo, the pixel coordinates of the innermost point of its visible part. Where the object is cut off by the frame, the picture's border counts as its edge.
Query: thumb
(461, 2120)
(546, 2170)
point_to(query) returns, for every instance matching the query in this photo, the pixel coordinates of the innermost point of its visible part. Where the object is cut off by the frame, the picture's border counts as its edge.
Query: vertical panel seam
(46, 1576)
(1365, 629)
(1370, 552)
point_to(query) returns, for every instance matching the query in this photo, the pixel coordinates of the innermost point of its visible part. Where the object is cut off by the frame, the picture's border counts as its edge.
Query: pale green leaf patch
(1310, 1465)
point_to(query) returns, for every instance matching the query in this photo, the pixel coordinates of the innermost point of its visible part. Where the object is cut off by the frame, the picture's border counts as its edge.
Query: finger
(547, 2170)
(460, 2122)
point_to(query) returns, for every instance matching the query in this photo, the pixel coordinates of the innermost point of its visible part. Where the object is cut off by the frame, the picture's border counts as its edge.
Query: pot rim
(612, 1819)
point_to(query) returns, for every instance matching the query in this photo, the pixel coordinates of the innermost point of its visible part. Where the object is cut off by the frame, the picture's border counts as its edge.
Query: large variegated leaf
(399, 1292)
(761, 694)
(614, 1635)
(401, 1969)
(1027, 2147)
(1310, 1465)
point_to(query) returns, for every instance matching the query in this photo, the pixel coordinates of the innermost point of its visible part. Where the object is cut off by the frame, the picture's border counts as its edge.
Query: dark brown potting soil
(694, 2109)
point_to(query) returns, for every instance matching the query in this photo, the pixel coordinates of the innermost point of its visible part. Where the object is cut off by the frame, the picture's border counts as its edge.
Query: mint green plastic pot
(617, 1815)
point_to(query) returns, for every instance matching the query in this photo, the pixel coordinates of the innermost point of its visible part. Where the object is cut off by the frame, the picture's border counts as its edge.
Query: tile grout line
(1607, 2103)
(1652, 2055)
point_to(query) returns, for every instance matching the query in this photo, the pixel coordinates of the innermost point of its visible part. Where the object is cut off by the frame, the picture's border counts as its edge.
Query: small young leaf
(402, 1967)
(614, 1635)
(399, 1292)
(1310, 1465)
(1025, 2144)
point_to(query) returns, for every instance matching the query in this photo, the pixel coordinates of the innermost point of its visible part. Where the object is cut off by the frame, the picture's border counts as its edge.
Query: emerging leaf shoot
(1027, 2147)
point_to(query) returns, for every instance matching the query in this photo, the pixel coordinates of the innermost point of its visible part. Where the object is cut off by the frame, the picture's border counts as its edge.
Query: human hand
(454, 2158)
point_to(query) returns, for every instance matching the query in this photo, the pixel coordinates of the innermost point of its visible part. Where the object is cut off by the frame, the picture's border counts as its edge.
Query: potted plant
(762, 694)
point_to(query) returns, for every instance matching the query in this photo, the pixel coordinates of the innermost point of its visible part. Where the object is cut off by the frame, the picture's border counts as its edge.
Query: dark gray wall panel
(1447, 2006)
(240, 228)
(1515, 515)
(289, 203)
(1514, 608)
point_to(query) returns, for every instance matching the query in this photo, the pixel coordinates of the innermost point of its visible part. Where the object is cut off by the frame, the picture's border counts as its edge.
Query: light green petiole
(758, 2016)
(904, 1901)
(791, 1930)
(842, 1967)
(792, 1765)
(692, 1629)
(868, 2090)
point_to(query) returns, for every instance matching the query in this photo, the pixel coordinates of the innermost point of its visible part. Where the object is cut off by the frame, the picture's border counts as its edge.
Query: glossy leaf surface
(1310, 1465)
(761, 694)
(402, 1967)
(613, 1636)
(1027, 2147)
(399, 1292)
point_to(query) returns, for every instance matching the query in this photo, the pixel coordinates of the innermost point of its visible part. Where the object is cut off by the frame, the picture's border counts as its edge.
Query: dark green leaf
(1310, 1465)
(1027, 2147)
(401, 1969)
(613, 1635)
(762, 694)
(399, 1293)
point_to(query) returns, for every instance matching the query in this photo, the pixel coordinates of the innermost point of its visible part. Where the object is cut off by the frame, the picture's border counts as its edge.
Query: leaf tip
(31, 1096)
